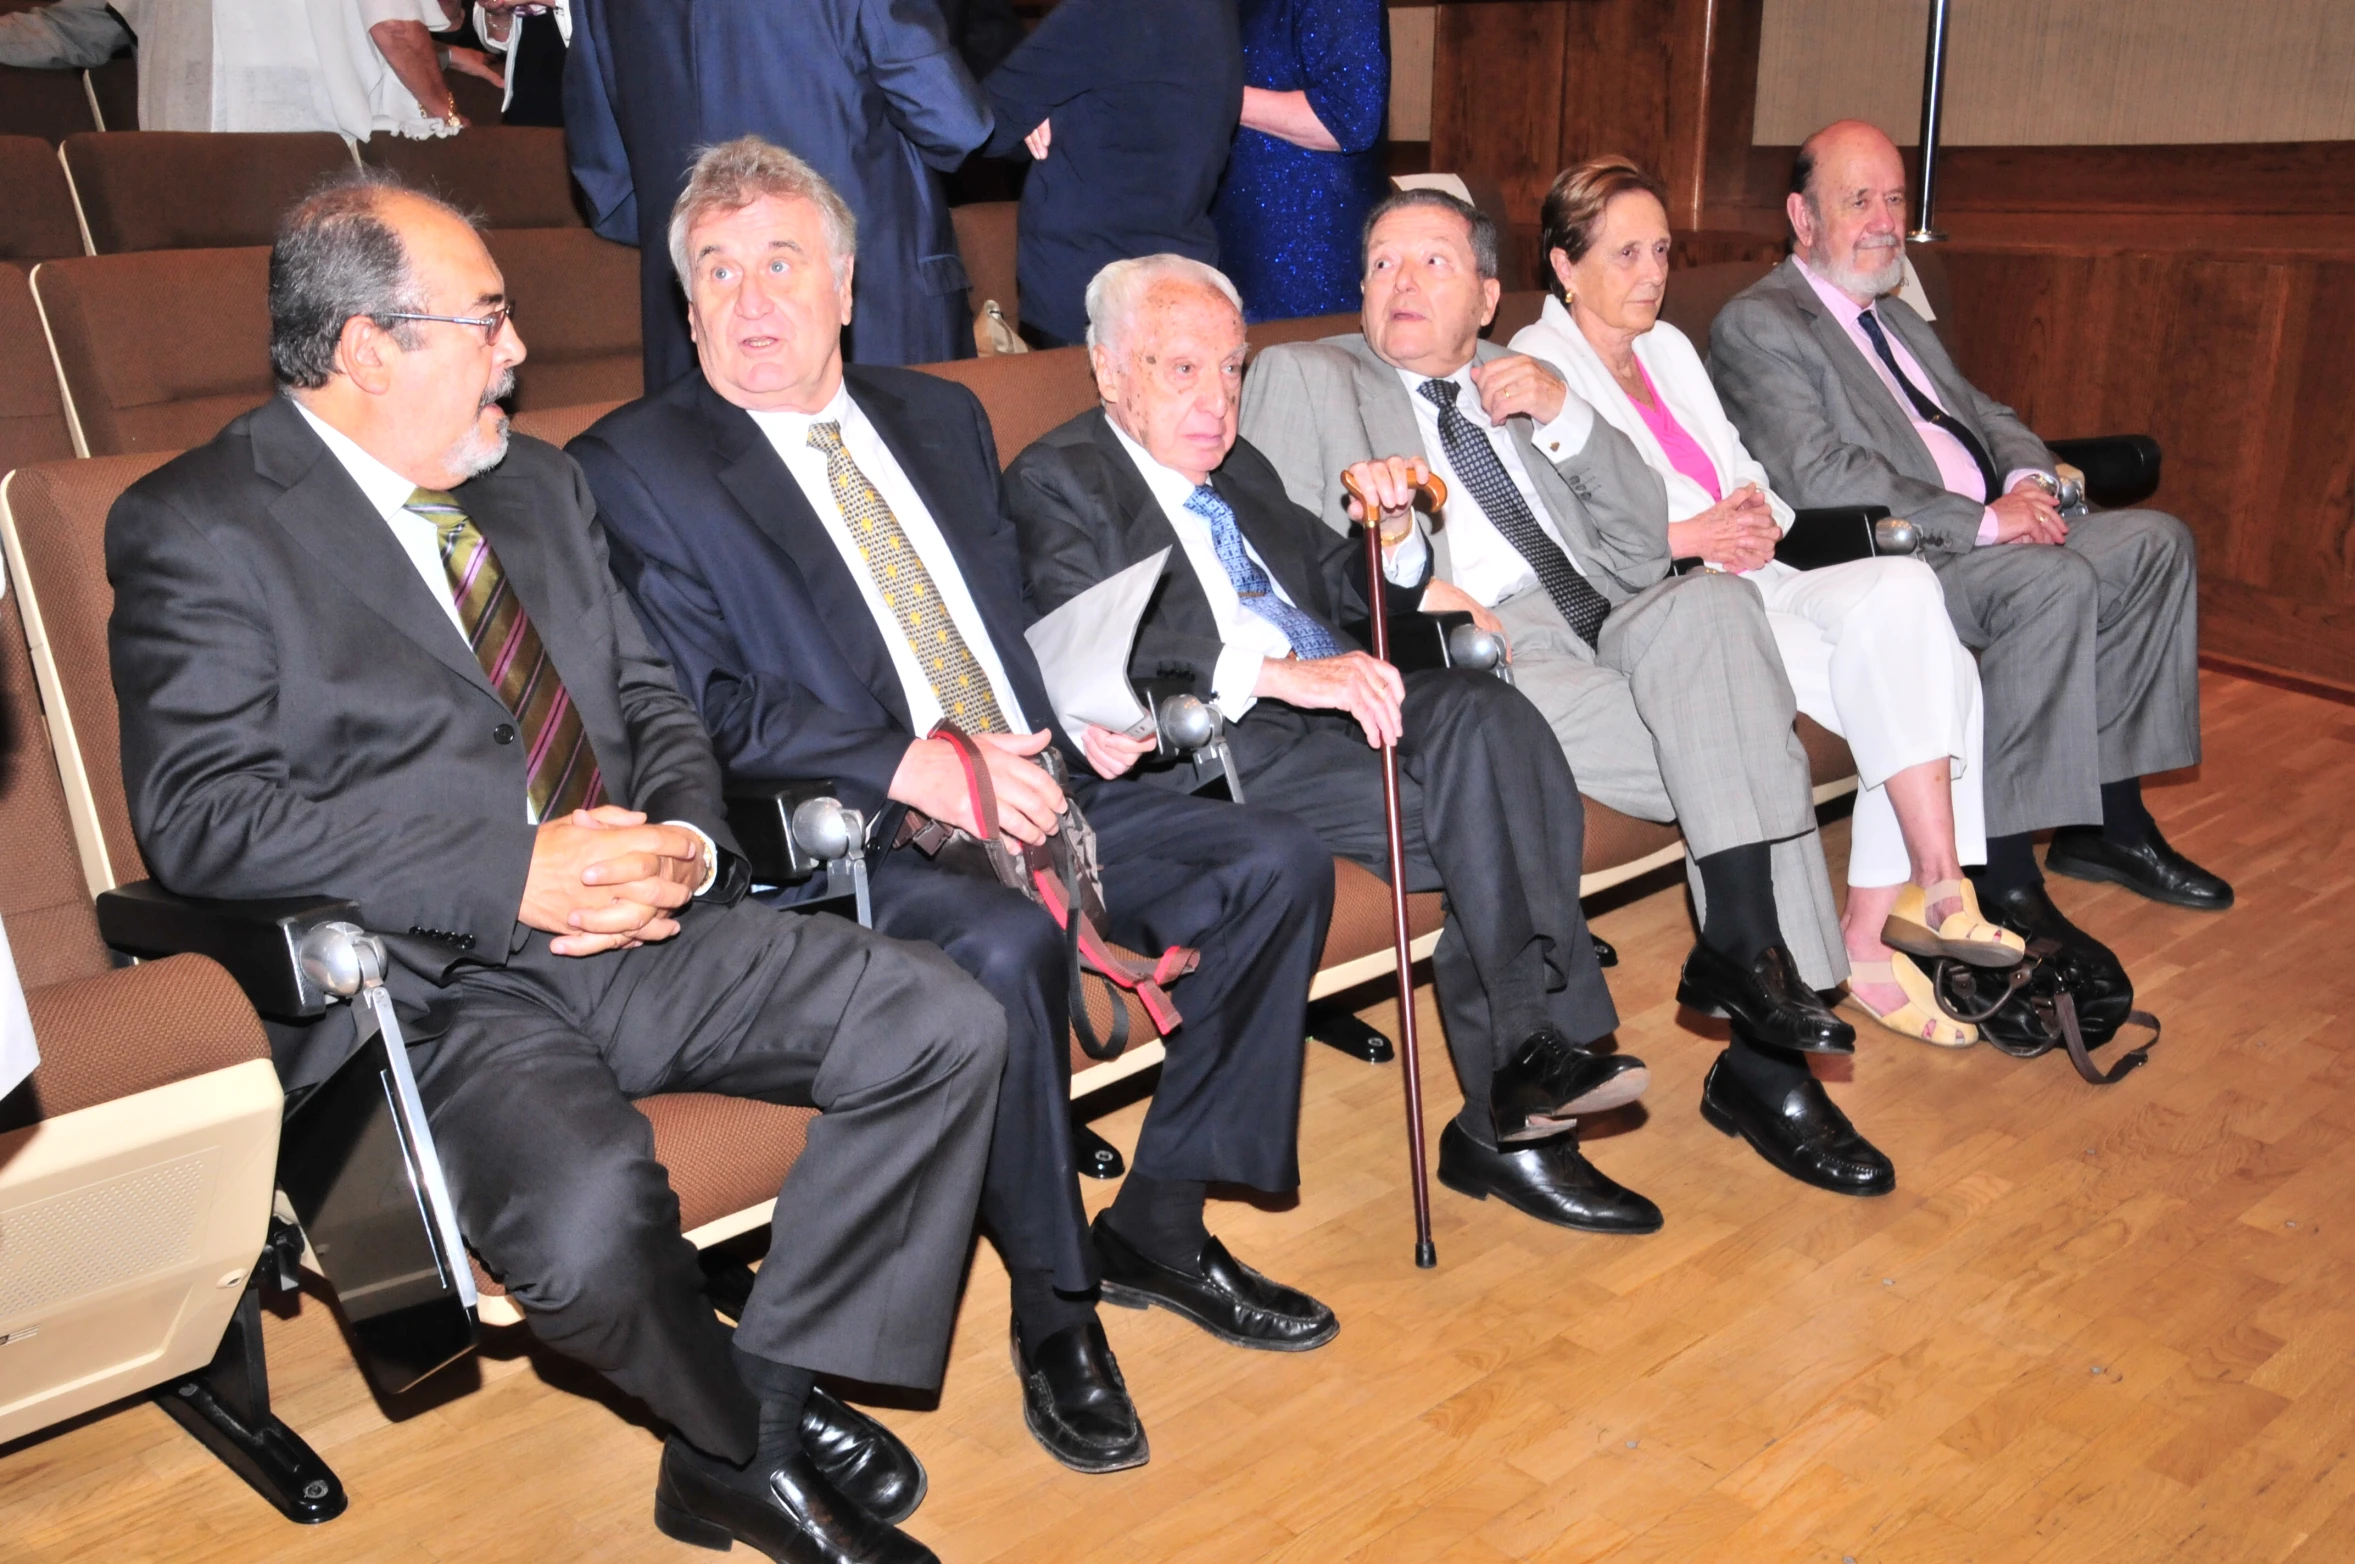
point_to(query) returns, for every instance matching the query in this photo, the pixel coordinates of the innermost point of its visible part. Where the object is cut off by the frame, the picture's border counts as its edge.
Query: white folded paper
(1082, 649)
(17, 1054)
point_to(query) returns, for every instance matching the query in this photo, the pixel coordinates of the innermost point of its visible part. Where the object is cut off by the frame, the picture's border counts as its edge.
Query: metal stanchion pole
(1925, 229)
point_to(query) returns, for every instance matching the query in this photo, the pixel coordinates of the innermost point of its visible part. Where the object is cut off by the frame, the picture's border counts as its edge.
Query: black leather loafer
(1228, 1299)
(788, 1511)
(1550, 1081)
(1077, 1404)
(1768, 1001)
(1805, 1134)
(2152, 869)
(861, 1457)
(1549, 1181)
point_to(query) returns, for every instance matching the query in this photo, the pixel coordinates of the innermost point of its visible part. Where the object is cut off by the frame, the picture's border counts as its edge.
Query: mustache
(500, 389)
(1875, 242)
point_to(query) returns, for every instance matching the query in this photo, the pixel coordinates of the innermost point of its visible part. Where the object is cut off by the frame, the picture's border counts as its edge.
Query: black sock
(2011, 865)
(2124, 819)
(1040, 1311)
(783, 1391)
(1769, 1072)
(1162, 1217)
(1738, 885)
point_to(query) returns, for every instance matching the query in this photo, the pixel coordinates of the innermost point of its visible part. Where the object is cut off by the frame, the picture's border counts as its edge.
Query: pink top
(1684, 452)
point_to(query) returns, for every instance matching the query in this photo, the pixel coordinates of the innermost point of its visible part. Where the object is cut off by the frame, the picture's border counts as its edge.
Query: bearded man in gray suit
(2086, 627)
(1666, 692)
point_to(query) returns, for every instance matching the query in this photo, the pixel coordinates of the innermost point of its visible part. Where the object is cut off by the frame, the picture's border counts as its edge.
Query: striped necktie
(1309, 639)
(958, 681)
(561, 772)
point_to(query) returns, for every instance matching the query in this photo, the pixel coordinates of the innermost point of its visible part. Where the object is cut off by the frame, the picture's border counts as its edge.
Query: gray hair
(336, 257)
(1120, 289)
(1482, 225)
(730, 176)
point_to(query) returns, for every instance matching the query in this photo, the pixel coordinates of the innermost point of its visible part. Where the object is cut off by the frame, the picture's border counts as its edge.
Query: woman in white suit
(1868, 646)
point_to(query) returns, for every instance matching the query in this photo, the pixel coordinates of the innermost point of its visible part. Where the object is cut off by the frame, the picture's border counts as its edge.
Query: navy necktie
(1929, 410)
(1476, 462)
(1308, 637)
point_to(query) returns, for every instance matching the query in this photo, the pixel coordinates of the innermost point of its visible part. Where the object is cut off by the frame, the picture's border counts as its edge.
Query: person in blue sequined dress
(1307, 164)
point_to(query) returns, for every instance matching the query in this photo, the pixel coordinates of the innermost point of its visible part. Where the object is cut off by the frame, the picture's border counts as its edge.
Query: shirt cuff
(1987, 524)
(1566, 436)
(1404, 564)
(711, 853)
(1234, 680)
(2011, 480)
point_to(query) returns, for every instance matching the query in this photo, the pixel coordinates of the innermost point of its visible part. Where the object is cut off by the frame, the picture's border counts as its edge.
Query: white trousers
(1872, 655)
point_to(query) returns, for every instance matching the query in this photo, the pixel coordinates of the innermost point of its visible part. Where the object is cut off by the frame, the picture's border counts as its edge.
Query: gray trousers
(2088, 660)
(528, 1073)
(1684, 714)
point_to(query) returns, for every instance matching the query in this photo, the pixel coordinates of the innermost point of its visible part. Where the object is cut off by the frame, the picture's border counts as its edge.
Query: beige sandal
(1919, 1017)
(1966, 935)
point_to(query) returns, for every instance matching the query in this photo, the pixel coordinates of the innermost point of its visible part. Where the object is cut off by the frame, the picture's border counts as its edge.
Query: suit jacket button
(504, 733)
(465, 942)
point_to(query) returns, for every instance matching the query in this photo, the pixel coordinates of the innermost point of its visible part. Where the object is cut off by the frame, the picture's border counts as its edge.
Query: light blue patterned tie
(1309, 638)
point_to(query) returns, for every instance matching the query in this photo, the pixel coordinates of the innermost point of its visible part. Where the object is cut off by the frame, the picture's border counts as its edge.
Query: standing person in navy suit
(1128, 108)
(793, 531)
(870, 92)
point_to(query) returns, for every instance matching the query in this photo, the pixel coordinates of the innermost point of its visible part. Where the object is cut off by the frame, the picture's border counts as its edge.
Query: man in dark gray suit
(2086, 627)
(364, 646)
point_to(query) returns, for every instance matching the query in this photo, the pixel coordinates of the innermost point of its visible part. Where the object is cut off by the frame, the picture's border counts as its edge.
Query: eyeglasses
(490, 323)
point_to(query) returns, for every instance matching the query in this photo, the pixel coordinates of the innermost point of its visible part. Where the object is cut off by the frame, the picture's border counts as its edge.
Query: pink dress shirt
(1683, 451)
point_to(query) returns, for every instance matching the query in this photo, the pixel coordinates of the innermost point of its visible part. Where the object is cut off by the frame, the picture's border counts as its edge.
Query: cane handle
(1430, 495)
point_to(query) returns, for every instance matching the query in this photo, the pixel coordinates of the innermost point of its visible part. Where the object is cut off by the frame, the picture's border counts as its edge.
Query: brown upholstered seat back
(1307, 328)
(558, 425)
(576, 308)
(51, 105)
(1697, 293)
(42, 894)
(32, 417)
(1513, 311)
(187, 190)
(507, 176)
(37, 210)
(1025, 394)
(986, 238)
(160, 349)
(59, 514)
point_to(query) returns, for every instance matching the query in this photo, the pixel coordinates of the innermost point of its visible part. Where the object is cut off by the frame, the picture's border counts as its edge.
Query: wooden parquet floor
(2089, 1325)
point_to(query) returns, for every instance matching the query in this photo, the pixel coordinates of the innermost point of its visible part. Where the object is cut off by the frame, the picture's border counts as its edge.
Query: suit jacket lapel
(1145, 527)
(1867, 392)
(1945, 384)
(752, 471)
(1392, 429)
(325, 512)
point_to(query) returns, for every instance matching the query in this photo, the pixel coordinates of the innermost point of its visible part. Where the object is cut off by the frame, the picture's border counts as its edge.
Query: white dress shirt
(389, 492)
(1482, 560)
(1249, 638)
(788, 432)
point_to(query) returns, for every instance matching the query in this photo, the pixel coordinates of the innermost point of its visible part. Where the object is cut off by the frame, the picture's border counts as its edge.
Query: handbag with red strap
(1062, 875)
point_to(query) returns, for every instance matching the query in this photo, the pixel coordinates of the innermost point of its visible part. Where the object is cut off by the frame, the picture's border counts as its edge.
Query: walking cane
(1433, 493)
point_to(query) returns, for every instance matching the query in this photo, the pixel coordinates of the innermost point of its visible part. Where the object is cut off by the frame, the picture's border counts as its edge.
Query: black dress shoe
(2089, 969)
(1228, 1299)
(1077, 1404)
(858, 1455)
(1606, 953)
(1550, 1081)
(2151, 869)
(787, 1511)
(1805, 1134)
(1550, 1181)
(1768, 1001)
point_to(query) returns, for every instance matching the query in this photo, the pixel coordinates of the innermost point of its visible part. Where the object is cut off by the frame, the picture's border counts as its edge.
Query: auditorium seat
(986, 239)
(558, 425)
(136, 1163)
(1025, 394)
(188, 190)
(1696, 293)
(37, 220)
(158, 348)
(114, 92)
(51, 105)
(576, 306)
(32, 415)
(1514, 311)
(726, 1157)
(507, 176)
(1305, 328)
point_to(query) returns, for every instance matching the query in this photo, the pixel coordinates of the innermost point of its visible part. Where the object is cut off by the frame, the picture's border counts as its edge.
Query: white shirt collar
(1171, 487)
(1413, 382)
(782, 425)
(385, 489)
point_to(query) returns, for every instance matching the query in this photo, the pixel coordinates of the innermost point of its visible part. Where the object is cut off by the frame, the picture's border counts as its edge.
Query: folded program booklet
(1082, 649)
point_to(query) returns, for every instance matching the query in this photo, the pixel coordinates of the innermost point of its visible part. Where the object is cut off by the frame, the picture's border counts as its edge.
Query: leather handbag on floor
(1062, 875)
(2029, 1010)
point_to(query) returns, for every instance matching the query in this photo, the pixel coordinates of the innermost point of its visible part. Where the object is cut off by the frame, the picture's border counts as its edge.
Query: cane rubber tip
(1426, 1256)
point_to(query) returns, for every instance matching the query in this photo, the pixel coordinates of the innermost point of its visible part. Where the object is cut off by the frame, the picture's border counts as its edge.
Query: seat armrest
(2120, 469)
(1837, 534)
(761, 816)
(1417, 640)
(258, 941)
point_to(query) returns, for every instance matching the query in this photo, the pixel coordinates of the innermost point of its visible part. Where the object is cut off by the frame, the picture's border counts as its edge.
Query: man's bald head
(1847, 208)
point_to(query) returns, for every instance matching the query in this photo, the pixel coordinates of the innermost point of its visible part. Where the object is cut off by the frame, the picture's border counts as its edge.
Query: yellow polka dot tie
(957, 679)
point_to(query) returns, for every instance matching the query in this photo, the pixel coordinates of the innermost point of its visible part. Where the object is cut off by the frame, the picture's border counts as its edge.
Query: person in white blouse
(1867, 645)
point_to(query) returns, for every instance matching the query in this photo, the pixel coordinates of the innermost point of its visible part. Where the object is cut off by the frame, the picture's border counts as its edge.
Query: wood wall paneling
(1496, 94)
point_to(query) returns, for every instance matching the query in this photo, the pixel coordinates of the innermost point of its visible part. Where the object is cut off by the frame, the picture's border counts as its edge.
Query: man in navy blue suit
(1128, 108)
(870, 92)
(791, 531)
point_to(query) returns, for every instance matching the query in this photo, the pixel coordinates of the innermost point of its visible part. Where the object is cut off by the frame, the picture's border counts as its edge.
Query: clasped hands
(608, 879)
(2029, 514)
(931, 778)
(1738, 533)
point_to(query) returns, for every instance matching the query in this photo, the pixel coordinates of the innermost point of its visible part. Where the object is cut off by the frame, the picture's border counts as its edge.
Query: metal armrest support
(792, 831)
(2120, 469)
(1192, 732)
(260, 942)
(1422, 639)
(1837, 534)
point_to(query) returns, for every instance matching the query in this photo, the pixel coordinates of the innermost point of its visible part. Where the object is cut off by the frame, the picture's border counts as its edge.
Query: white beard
(1868, 284)
(478, 453)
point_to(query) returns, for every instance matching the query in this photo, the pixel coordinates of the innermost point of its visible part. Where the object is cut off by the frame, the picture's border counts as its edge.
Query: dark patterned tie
(1309, 638)
(1483, 472)
(958, 680)
(561, 772)
(1929, 410)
